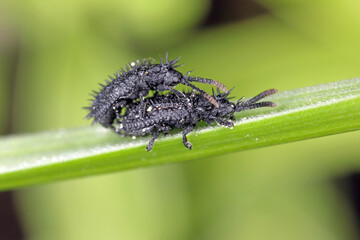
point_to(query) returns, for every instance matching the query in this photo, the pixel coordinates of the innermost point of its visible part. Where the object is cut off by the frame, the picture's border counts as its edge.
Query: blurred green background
(53, 53)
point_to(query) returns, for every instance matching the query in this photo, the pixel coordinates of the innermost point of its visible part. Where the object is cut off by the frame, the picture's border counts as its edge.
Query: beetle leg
(187, 129)
(152, 141)
(142, 105)
(118, 114)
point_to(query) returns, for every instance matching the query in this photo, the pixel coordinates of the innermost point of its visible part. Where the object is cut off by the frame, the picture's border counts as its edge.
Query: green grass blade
(301, 114)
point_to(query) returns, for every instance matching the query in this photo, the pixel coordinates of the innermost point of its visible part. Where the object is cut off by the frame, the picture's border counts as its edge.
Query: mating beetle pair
(161, 113)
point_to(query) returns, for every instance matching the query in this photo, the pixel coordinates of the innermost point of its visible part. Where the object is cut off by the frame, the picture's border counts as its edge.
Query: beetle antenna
(262, 95)
(205, 94)
(252, 102)
(209, 81)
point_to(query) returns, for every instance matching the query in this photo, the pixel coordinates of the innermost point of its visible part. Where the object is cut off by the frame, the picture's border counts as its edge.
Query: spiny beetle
(165, 112)
(136, 81)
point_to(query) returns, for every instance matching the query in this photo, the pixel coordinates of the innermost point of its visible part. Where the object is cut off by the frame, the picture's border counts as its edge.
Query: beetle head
(226, 108)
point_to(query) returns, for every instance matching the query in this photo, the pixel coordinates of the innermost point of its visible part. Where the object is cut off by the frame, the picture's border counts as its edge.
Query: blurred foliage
(66, 47)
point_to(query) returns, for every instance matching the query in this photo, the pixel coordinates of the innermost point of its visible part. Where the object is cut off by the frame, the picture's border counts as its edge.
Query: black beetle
(165, 112)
